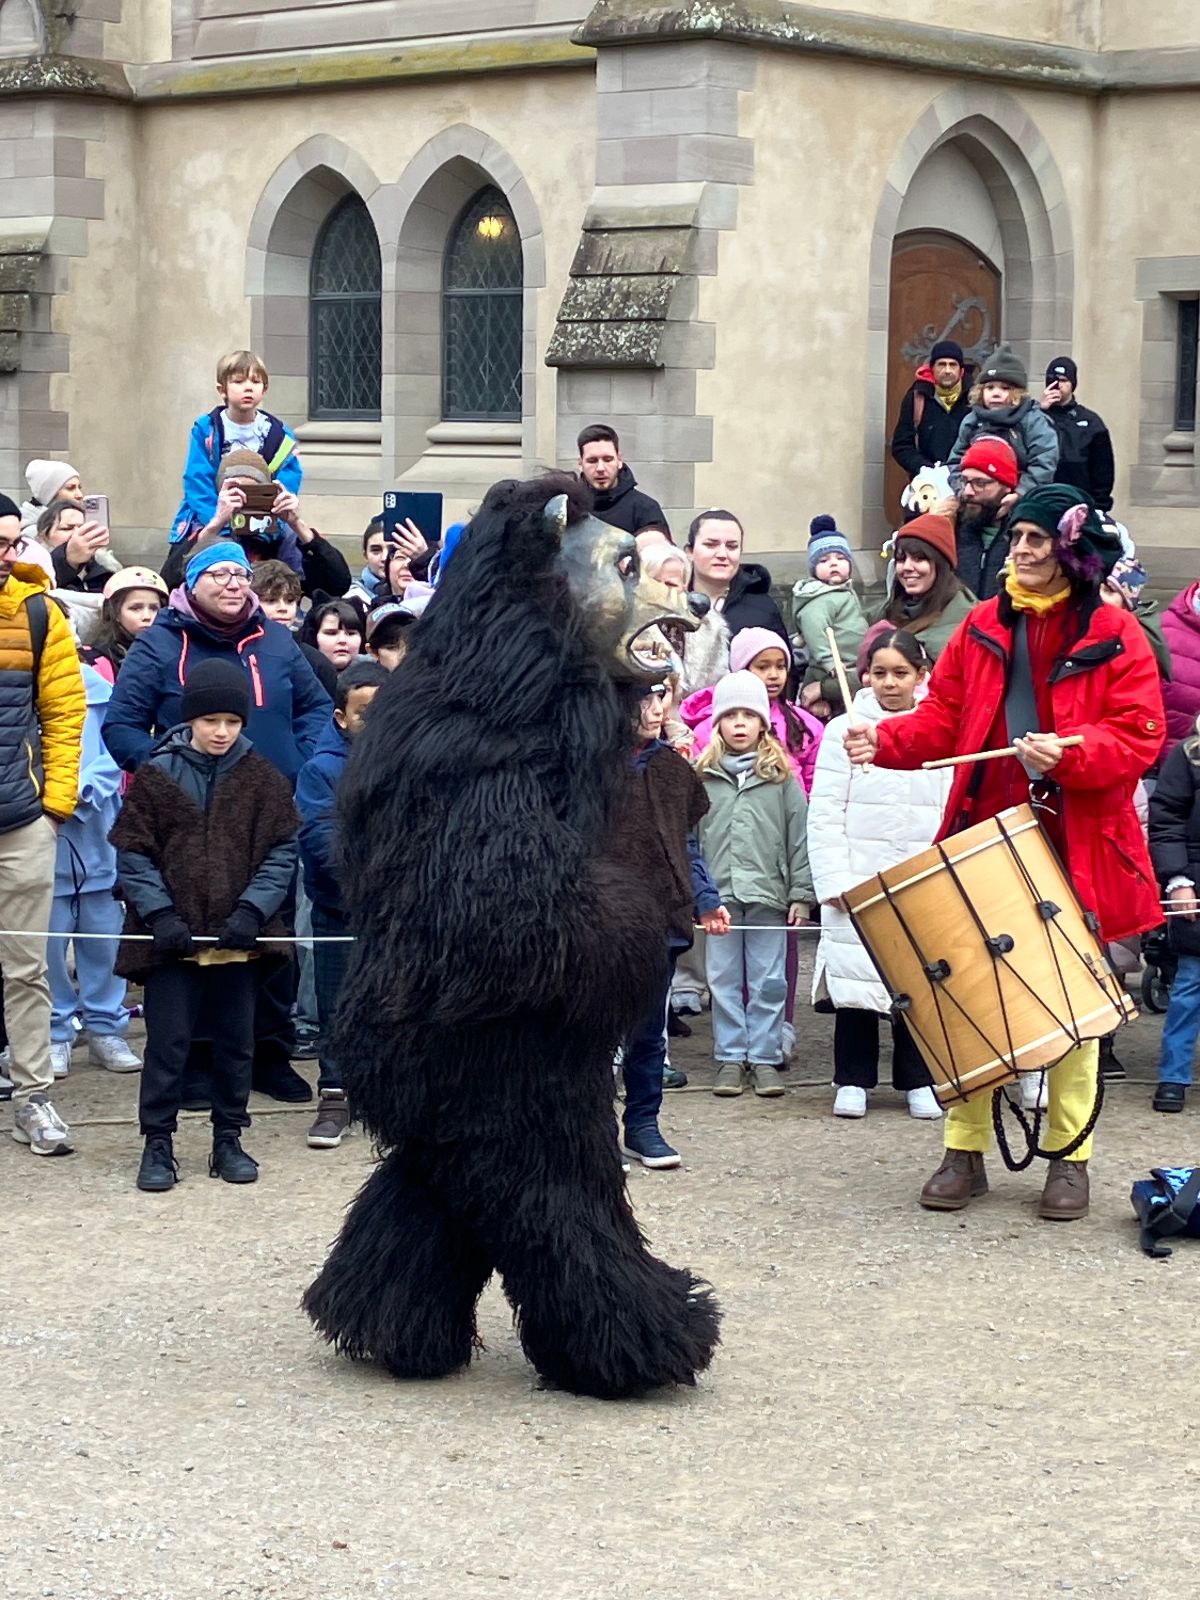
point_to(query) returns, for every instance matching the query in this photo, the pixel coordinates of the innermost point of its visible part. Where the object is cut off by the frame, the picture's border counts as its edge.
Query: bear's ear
(554, 517)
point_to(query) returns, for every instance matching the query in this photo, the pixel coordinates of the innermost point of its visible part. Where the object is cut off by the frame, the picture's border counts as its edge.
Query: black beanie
(1063, 367)
(947, 350)
(213, 687)
(9, 508)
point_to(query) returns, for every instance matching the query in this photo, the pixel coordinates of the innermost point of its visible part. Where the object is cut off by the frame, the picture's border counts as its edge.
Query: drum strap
(1020, 700)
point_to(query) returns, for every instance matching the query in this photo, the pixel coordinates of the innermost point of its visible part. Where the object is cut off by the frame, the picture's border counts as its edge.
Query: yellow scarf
(1027, 600)
(948, 399)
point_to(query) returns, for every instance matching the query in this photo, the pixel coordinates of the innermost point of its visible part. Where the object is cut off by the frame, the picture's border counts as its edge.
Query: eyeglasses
(226, 577)
(13, 547)
(975, 481)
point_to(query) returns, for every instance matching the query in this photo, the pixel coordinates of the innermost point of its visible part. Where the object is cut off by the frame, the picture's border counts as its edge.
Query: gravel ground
(909, 1406)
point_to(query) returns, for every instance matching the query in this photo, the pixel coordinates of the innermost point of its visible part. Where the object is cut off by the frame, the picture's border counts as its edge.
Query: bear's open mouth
(649, 652)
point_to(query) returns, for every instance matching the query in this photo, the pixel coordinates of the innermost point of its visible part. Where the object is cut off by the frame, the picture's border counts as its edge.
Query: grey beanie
(1003, 366)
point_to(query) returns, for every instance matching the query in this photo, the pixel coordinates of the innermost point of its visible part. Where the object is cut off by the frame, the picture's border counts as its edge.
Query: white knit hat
(741, 691)
(46, 478)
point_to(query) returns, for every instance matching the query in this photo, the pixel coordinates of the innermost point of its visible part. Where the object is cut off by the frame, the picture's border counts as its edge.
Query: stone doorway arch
(994, 132)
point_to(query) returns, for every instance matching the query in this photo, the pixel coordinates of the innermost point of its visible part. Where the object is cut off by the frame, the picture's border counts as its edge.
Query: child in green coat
(826, 599)
(754, 838)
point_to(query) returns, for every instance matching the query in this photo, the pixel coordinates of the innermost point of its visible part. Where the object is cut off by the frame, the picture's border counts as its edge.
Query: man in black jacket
(1085, 454)
(932, 410)
(617, 498)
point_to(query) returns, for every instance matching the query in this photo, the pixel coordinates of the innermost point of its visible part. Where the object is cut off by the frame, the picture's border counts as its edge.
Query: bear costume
(502, 957)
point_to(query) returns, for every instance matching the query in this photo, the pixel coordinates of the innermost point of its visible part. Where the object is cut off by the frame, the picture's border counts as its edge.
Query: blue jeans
(100, 1001)
(645, 1057)
(747, 978)
(330, 964)
(1182, 1026)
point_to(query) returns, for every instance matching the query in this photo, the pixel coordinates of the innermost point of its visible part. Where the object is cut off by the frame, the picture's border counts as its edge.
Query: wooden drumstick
(839, 672)
(990, 755)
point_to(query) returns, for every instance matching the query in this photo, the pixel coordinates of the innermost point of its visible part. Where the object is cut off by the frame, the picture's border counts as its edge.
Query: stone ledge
(73, 75)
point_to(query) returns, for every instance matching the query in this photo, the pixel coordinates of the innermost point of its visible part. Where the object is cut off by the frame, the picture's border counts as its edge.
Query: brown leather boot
(1065, 1196)
(956, 1182)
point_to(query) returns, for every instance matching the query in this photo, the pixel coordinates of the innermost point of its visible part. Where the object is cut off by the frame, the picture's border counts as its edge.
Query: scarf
(223, 627)
(949, 398)
(738, 767)
(1027, 600)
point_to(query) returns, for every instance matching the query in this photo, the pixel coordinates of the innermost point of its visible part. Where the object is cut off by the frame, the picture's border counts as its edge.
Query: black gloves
(172, 936)
(241, 930)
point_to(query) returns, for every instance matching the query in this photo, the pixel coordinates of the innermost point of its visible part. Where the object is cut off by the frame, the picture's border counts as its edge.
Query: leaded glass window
(482, 302)
(345, 343)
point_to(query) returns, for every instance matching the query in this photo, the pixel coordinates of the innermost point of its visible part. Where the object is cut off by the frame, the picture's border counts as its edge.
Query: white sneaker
(109, 1050)
(687, 1004)
(1035, 1096)
(38, 1125)
(923, 1104)
(850, 1101)
(60, 1057)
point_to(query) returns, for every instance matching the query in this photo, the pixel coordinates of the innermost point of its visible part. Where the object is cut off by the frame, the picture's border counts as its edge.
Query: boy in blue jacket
(84, 874)
(316, 798)
(238, 423)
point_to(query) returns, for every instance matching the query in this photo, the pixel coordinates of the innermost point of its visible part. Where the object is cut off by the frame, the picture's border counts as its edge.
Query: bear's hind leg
(402, 1281)
(598, 1314)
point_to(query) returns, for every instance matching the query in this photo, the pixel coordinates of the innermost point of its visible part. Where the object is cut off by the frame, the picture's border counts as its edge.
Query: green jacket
(817, 606)
(934, 632)
(754, 839)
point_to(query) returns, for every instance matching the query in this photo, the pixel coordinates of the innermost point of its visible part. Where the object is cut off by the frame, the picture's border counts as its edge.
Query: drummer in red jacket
(1092, 674)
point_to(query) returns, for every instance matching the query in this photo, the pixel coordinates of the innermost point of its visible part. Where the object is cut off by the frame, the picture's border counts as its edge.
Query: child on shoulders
(238, 423)
(826, 599)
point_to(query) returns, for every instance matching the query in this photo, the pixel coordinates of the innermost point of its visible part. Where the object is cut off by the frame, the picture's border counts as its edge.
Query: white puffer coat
(859, 823)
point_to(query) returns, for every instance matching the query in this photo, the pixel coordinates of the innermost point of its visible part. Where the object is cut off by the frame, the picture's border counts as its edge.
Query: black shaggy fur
(503, 958)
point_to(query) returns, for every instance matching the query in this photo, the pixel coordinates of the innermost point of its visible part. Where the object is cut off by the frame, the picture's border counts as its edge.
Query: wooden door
(942, 288)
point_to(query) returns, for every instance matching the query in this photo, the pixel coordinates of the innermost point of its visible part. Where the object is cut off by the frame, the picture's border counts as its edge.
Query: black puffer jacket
(625, 506)
(750, 604)
(1175, 834)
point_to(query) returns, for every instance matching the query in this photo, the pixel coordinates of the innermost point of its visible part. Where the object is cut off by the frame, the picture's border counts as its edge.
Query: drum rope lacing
(937, 972)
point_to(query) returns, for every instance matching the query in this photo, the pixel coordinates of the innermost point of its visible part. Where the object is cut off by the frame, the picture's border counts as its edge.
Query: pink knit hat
(751, 642)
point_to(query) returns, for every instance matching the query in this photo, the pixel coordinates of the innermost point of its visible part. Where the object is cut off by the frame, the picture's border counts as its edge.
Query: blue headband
(212, 556)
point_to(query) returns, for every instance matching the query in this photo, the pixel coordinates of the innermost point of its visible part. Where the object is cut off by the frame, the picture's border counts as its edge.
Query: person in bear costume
(504, 952)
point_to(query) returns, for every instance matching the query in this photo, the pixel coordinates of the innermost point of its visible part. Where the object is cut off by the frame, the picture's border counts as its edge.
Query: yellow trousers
(1071, 1087)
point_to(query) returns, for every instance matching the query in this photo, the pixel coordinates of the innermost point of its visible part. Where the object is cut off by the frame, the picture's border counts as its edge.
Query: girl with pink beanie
(762, 652)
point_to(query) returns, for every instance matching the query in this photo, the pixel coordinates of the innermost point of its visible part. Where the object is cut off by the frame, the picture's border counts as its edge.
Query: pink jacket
(695, 712)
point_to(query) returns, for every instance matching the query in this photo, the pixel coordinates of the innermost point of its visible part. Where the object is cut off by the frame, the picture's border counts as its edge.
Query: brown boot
(956, 1182)
(1065, 1196)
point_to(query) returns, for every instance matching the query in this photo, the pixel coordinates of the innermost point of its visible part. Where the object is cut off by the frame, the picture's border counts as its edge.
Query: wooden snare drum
(988, 955)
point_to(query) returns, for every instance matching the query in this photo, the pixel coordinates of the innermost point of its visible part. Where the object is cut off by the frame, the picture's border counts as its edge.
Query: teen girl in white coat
(859, 822)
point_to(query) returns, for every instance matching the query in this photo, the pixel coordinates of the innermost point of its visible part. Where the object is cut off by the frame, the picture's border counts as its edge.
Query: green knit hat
(1083, 546)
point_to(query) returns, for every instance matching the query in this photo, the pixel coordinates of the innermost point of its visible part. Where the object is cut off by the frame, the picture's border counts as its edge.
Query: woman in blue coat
(215, 614)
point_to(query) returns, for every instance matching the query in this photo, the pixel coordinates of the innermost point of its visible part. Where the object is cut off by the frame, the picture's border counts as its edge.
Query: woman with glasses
(214, 613)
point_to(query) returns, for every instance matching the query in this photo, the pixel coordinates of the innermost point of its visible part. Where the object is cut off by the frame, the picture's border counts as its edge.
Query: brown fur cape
(207, 858)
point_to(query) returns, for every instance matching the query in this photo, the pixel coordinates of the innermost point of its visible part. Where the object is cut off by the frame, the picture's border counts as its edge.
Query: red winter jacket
(1181, 630)
(1108, 690)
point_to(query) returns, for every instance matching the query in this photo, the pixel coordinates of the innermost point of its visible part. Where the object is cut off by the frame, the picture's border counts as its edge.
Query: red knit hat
(931, 529)
(996, 458)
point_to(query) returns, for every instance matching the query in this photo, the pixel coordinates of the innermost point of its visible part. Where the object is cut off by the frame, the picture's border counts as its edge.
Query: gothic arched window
(482, 305)
(345, 326)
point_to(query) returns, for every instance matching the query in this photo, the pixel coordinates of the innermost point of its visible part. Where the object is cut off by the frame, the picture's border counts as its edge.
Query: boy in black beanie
(197, 855)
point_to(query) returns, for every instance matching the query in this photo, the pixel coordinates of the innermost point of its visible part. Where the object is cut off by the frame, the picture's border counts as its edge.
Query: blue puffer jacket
(316, 797)
(289, 709)
(85, 860)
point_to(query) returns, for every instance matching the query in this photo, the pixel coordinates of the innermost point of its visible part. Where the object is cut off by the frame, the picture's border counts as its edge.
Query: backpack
(1166, 1203)
(39, 627)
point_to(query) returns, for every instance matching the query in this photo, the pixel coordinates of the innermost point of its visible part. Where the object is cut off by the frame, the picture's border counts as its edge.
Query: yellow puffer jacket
(40, 733)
